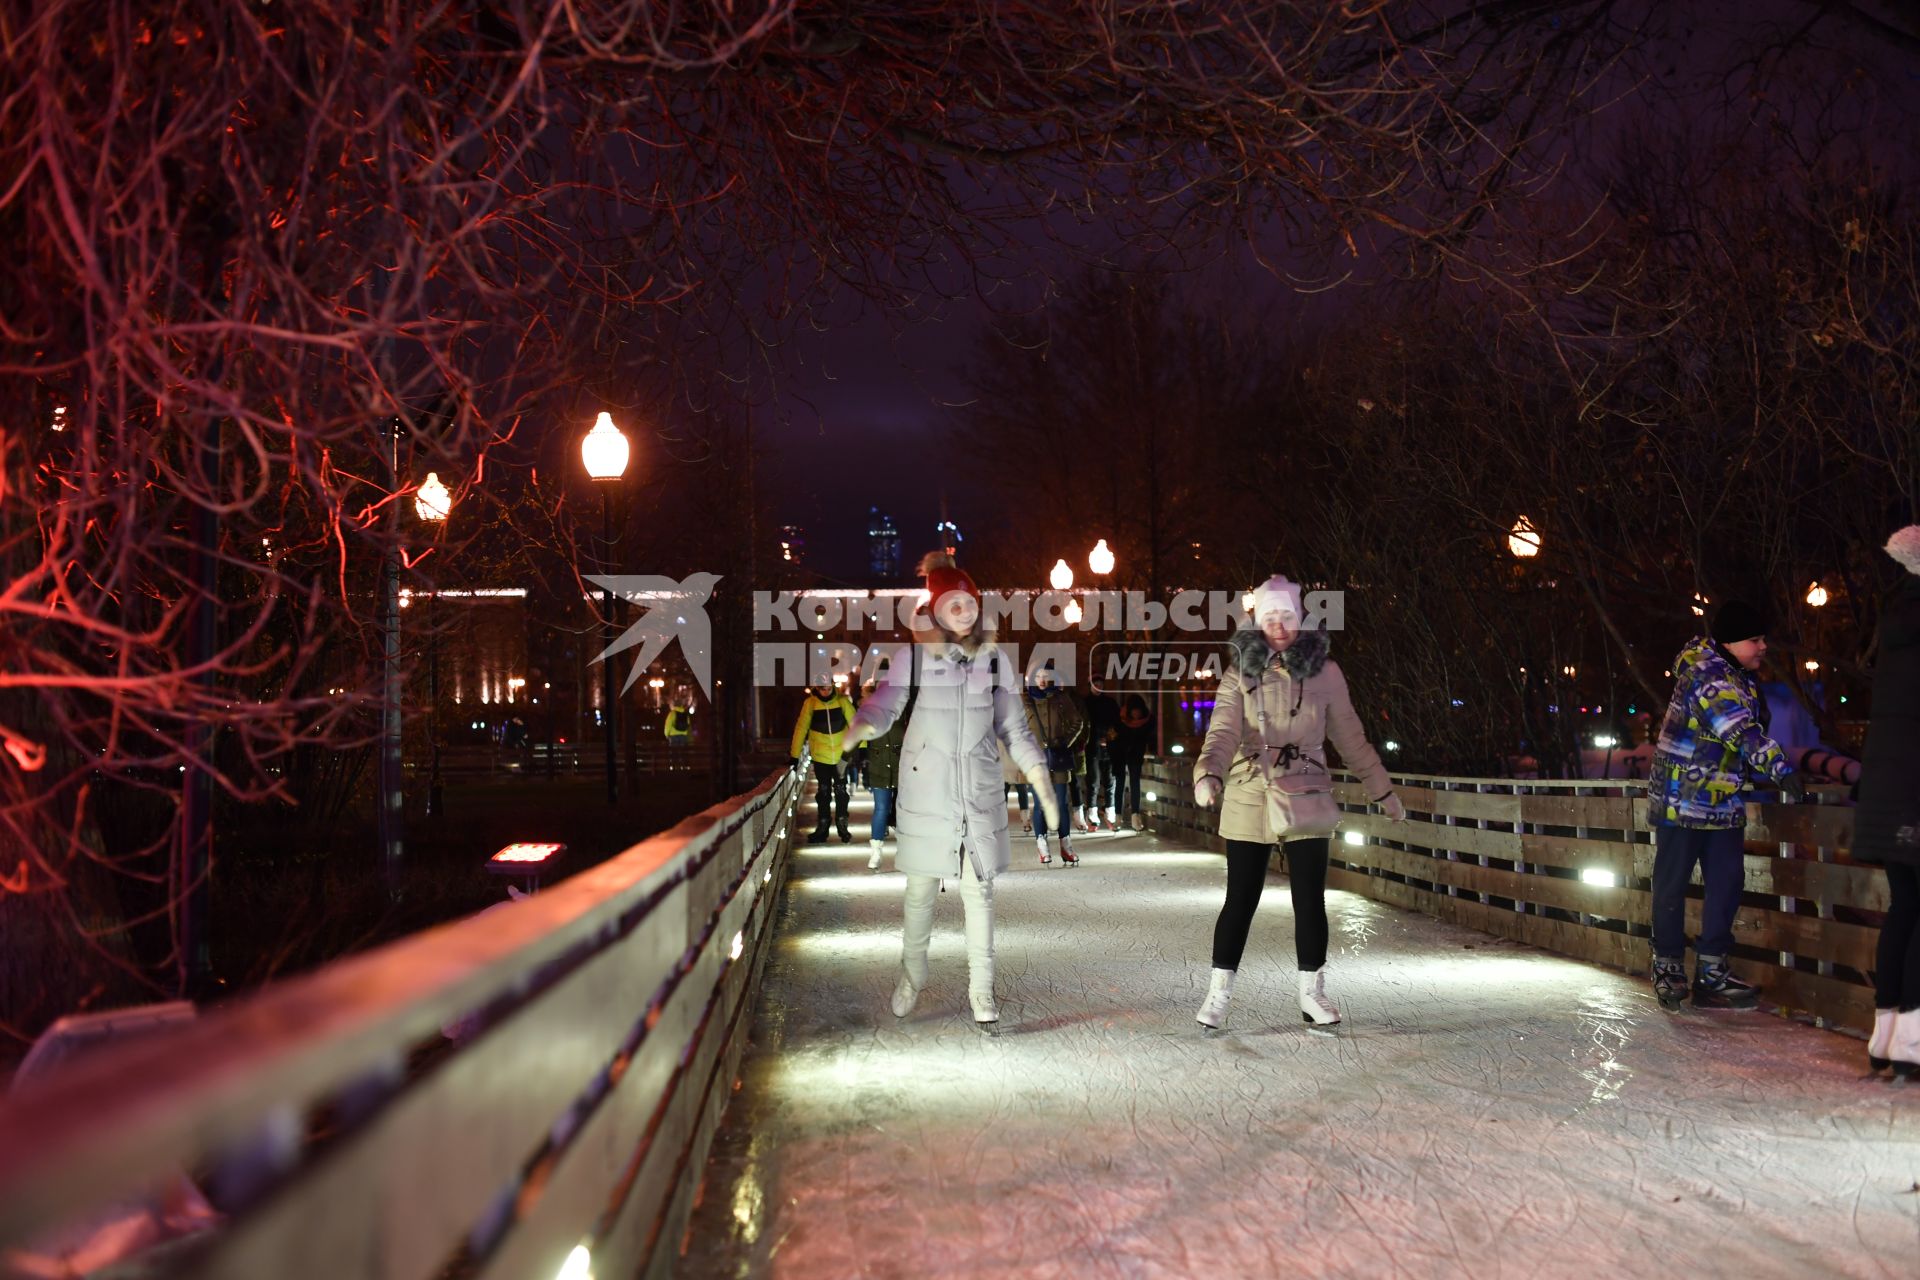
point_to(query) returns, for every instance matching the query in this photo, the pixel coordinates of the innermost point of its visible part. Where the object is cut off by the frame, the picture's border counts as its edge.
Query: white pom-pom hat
(1904, 546)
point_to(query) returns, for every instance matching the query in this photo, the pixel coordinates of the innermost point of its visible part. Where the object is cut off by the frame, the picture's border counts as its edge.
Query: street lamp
(433, 503)
(605, 451)
(1100, 559)
(1072, 613)
(1061, 577)
(1523, 540)
(1816, 595)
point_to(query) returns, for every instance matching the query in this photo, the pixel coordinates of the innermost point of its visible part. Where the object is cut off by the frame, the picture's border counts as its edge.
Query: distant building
(883, 546)
(793, 544)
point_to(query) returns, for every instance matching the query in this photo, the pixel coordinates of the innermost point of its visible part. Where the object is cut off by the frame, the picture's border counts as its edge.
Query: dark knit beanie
(1737, 620)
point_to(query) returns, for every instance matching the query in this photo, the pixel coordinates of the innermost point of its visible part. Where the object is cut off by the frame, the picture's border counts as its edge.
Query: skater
(883, 774)
(1016, 787)
(1265, 756)
(823, 721)
(1714, 733)
(955, 694)
(1128, 752)
(1103, 726)
(1059, 727)
(1886, 826)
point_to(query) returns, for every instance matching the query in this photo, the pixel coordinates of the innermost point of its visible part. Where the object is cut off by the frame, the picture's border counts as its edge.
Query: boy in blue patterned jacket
(1714, 735)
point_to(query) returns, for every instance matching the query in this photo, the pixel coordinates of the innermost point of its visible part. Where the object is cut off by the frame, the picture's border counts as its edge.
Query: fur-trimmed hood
(1304, 657)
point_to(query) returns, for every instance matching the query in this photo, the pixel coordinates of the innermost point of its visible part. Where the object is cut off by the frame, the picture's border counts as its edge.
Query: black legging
(1896, 980)
(1126, 783)
(1247, 876)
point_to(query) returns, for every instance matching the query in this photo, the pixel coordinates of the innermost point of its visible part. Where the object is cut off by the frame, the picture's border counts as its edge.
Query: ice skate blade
(1312, 1021)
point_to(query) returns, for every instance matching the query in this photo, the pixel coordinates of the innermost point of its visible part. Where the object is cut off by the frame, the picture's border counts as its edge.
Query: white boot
(1046, 855)
(1138, 823)
(873, 861)
(977, 900)
(1881, 1039)
(1904, 1047)
(1213, 1010)
(1314, 1005)
(914, 937)
(1113, 822)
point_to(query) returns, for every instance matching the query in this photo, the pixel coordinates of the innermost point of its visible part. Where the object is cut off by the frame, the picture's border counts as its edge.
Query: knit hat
(951, 592)
(1737, 620)
(1278, 594)
(1904, 546)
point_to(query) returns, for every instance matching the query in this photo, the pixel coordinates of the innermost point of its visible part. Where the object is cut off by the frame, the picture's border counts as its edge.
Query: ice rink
(1486, 1110)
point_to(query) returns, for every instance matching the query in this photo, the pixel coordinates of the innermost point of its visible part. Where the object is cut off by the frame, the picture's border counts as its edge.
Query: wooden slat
(1612, 813)
(1462, 804)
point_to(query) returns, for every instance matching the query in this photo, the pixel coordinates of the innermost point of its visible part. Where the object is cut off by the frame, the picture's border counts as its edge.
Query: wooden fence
(480, 1100)
(1567, 865)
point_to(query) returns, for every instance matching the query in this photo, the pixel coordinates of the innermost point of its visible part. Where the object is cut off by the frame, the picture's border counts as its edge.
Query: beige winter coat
(1304, 713)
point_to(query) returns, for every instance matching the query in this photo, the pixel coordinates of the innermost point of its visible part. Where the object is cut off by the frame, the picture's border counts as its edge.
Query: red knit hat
(943, 575)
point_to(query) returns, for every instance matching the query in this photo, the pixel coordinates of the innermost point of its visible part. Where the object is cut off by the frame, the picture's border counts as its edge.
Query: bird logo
(670, 610)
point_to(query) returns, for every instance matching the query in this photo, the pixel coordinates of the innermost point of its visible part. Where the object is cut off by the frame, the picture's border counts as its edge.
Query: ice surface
(1486, 1110)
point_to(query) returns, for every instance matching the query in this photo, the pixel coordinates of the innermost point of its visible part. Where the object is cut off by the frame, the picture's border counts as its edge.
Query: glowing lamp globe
(432, 501)
(1061, 577)
(1072, 613)
(1523, 540)
(1100, 559)
(1816, 595)
(605, 449)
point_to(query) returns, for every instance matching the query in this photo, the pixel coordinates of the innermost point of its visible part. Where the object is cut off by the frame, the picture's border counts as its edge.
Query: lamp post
(604, 452)
(1523, 540)
(1060, 578)
(1100, 559)
(433, 504)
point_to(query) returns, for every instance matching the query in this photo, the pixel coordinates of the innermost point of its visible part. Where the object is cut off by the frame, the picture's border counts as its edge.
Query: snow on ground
(1487, 1110)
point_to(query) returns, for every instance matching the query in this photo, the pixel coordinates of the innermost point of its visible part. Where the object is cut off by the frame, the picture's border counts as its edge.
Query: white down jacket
(951, 800)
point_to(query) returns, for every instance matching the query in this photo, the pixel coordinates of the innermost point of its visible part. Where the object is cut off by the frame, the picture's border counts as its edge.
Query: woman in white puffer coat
(961, 697)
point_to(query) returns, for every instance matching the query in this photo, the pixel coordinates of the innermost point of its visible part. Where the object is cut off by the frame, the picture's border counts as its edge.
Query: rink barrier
(478, 1100)
(1507, 857)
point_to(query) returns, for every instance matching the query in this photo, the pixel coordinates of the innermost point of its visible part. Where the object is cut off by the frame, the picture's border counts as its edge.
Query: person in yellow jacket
(822, 726)
(679, 732)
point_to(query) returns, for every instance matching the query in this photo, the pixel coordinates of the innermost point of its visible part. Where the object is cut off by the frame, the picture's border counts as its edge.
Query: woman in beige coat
(1284, 686)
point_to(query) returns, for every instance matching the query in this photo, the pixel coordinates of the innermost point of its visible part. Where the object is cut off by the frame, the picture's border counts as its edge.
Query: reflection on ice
(1485, 1111)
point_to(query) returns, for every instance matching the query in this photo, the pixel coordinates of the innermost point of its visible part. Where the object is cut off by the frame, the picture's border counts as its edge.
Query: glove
(1793, 787)
(1391, 806)
(1206, 792)
(1044, 793)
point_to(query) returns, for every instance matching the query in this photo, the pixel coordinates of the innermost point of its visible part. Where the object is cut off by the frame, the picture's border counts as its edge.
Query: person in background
(1714, 734)
(1015, 782)
(1103, 726)
(882, 757)
(1128, 752)
(1277, 707)
(679, 731)
(1886, 825)
(822, 726)
(1059, 727)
